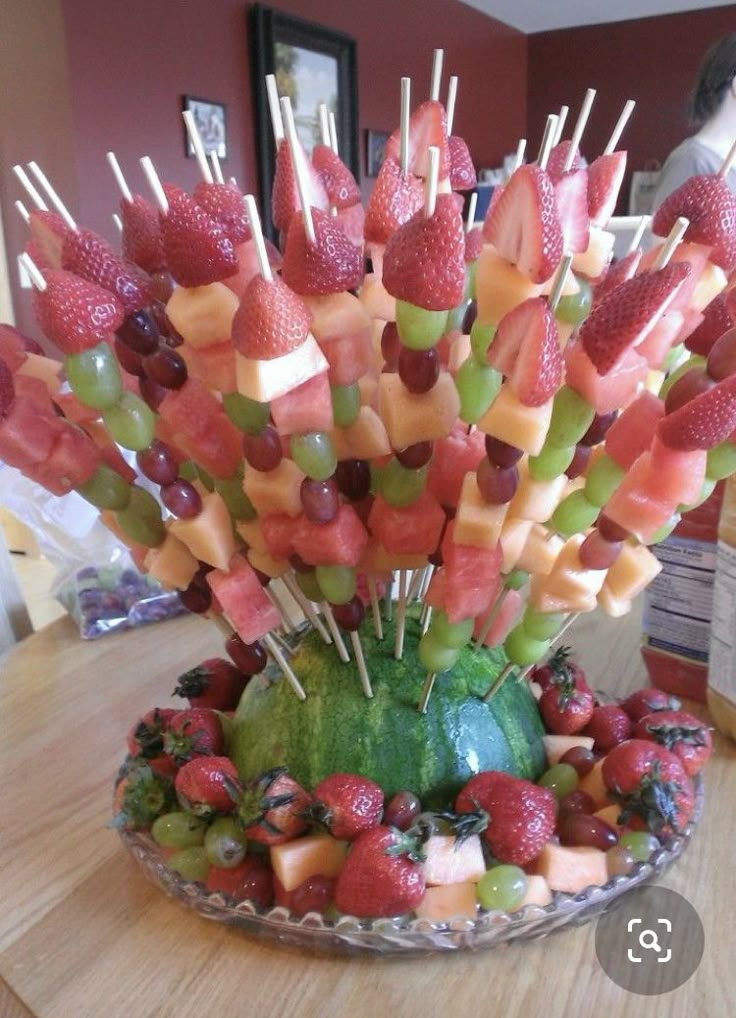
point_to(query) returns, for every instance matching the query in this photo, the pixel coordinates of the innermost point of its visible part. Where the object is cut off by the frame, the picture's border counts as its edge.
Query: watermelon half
(338, 730)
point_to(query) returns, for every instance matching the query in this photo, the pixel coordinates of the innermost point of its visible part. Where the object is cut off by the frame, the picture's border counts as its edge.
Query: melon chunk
(266, 563)
(266, 380)
(314, 855)
(593, 262)
(555, 746)
(536, 500)
(614, 607)
(711, 282)
(572, 869)
(376, 299)
(411, 418)
(365, 439)
(208, 536)
(540, 552)
(451, 901)
(538, 892)
(252, 533)
(202, 315)
(275, 491)
(514, 535)
(377, 560)
(172, 563)
(500, 286)
(611, 815)
(593, 784)
(476, 522)
(633, 570)
(447, 860)
(523, 426)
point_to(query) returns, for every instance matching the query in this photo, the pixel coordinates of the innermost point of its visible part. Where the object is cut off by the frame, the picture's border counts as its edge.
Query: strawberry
(717, 319)
(47, 232)
(271, 320)
(330, 265)
(605, 176)
(565, 707)
(424, 260)
(707, 202)
(526, 348)
(462, 171)
(617, 273)
(197, 249)
(347, 804)
(251, 879)
(89, 256)
(559, 666)
(651, 784)
(704, 421)
(380, 876)
(628, 314)
(394, 200)
(7, 389)
(524, 225)
(142, 241)
(571, 195)
(682, 733)
(207, 785)
(196, 731)
(517, 817)
(473, 244)
(427, 127)
(214, 683)
(608, 726)
(646, 701)
(352, 223)
(226, 205)
(75, 314)
(271, 808)
(141, 796)
(146, 740)
(556, 161)
(339, 183)
(285, 199)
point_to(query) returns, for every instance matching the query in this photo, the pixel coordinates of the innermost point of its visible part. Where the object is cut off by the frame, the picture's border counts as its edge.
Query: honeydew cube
(499, 286)
(540, 552)
(275, 491)
(46, 369)
(311, 856)
(365, 439)
(477, 523)
(171, 563)
(536, 500)
(208, 536)
(450, 861)
(614, 607)
(411, 418)
(252, 533)
(555, 746)
(523, 426)
(376, 299)
(266, 380)
(451, 901)
(514, 535)
(572, 869)
(712, 280)
(594, 785)
(632, 571)
(266, 563)
(202, 315)
(594, 260)
(538, 892)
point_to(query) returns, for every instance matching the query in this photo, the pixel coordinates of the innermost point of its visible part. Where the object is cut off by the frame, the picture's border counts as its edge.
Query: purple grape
(152, 392)
(263, 451)
(353, 479)
(497, 484)
(158, 464)
(391, 346)
(320, 500)
(501, 453)
(182, 499)
(415, 456)
(598, 428)
(349, 615)
(196, 598)
(579, 461)
(130, 361)
(166, 367)
(139, 333)
(419, 369)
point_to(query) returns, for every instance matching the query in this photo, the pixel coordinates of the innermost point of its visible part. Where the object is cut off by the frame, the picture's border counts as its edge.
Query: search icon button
(651, 940)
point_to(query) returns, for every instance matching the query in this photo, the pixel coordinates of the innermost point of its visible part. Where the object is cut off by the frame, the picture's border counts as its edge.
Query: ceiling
(531, 16)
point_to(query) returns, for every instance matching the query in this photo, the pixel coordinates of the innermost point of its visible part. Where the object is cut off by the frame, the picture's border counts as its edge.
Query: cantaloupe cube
(614, 607)
(633, 570)
(266, 563)
(266, 380)
(536, 500)
(593, 784)
(447, 860)
(411, 418)
(555, 746)
(376, 299)
(450, 901)
(712, 280)
(337, 314)
(538, 892)
(314, 855)
(514, 535)
(594, 261)
(572, 869)
(252, 533)
(46, 369)
(540, 552)
(377, 560)
(171, 563)
(569, 577)
(500, 286)
(611, 815)
(208, 536)
(476, 522)
(523, 426)
(202, 315)
(548, 601)
(365, 439)
(275, 491)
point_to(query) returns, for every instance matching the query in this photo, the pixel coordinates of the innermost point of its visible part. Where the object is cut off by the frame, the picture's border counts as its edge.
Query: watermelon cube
(72, 461)
(605, 392)
(308, 407)
(278, 534)
(659, 340)
(27, 437)
(213, 366)
(34, 390)
(453, 457)
(339, 543)
(632, 432)
(680, 475)
(243, 599)
(219, 450)
(75, 411)
(508, 614)
(639, 504)
(12, 348)
(472, 576)
(435, 596)
(408, 530)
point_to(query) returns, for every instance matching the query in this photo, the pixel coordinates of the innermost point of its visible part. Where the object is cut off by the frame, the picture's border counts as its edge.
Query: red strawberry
(651, 784)
(214, 683)
(462, 171)
(473, 244)
(717, 319)
(571, 195)
(198, 250)
(347, 804)
(683, 734)
(7, 389)
(271, 320)
(285, 194)
(196, 731)
(142, 241)
(89, 256)
(76, 314)
(207, 785)
(47, 233)
(272, 808)
(330, 265)
(707, 202)
(646, 701)
(146, 737)
(608, 726)
(394, 200)
(704, 421)
(558, 667)
(427, 127)
(424, 261)
(352, 223)
(557, 158)
(605, 176)
(526, 348)
(628, 314)
(339, 183)
(226, 205)
(524, 225)
(141, 796)
(565, 707)
(616, 274)
(380, 876)
(519, 816)
(250, 880)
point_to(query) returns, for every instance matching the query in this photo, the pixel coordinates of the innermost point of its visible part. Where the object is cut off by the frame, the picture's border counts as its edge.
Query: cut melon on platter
(449, 861)
(556, 746)
(572, 869)
(538, 892)
(451, 901)
(314, 855)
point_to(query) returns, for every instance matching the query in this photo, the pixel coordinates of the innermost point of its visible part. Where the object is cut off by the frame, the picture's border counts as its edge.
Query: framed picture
(312, 65)
(375, 151)
(211, 121)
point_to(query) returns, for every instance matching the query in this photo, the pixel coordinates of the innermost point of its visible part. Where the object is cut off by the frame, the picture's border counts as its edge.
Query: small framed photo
(211, 122)
(375, 151)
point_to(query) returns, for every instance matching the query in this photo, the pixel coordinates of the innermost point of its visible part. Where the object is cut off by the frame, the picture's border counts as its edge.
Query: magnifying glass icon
(651, 940)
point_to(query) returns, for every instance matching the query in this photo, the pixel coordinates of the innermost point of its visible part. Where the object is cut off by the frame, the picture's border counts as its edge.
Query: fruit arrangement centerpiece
(440, 461)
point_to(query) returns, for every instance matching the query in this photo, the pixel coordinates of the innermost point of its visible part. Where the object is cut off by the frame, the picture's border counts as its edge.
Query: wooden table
(83, 935)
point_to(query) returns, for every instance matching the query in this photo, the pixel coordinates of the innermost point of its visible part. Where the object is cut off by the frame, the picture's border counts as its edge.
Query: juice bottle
(679, 602)
(722, 668)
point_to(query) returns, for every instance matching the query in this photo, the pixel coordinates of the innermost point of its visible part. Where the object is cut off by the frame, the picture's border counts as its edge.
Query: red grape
(419, 369)
(722, 357)
(157, 463)
(577, 801)
(139, 333)
(163, 285)
(182, 499)
(353, 479)
(401, 810)
(263, 451)
(590, 831)
(320, 500)
(598, 428)
(598, 553)
(196, 598)
(7, 389)
(693, 383)
(349, 615)
(391, 346)
(579, 462)
(130, 361)
(415, 456)
(497, 484)
(580, 758)
(166, 367)
(298, 564)
(152, 392)
(314, 895)
(609, 530)
(249, 658)
(257, 886)
(501, 453)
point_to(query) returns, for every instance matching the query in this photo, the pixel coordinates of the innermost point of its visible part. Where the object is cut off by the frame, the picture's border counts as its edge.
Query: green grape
(640, 844)
(574, 308)
(721, 461)
(451, 634)
(478, 385)
(705, 492)
(190, 863)
(131, 422)
(246, 414)
(188, 471)
(419, 329)
(225, 843)
(516, 579)
(456, 316)
(377, 473)
(542, 625)
(602, 480)
(522, 649)
(401, 486)
(435, 656)
(502, 887)
(337, 583)
(345, 404)
(571, 418)
(106, 489)
(574, 514)
(178, 830)
(674, 358)
(481, 337)
(141, 519)
(551, 462)
(471, 291)
(694, 361)
(94, 377)
(307, 583)
(231, 492)
(314, 454)
(665, 530)
(207, 480)
(562, 778)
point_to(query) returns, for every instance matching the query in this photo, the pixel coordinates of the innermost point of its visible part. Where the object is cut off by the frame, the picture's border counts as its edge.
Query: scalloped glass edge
(348, 935)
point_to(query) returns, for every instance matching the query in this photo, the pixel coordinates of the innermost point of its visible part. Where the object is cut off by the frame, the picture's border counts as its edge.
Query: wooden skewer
(579, 128)
(401, 616)
(275, 652)
(673, 239)
(427, 619)
(33, 271)
(520, 150)
(619, 128)
(306, 606)
(54, 197)
(451, 99)
(563, 272)
(232, 181)
(216, 168)
(404, 125)
(118, 222)
(561, 120)
(375, 608)
(277, 122)
(472, 205)
(546, 147)
(342, 650)
(199, 153)
(299, 170)
(426, 692)
(415, 585)
(498, 682)
(365, 679)
(563, 629)
(30, 190)
(728, 161)
(436, 81)
(282, 642)
(289, 625)
(25, 215)
(324, 124)
(333, 134)
(149, 171)
(254, 221)
(430, 190)
(639, 233)
(112, 162)
(388, 602)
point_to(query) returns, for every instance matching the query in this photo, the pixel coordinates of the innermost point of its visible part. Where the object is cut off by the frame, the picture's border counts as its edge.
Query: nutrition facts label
(679, 602)
(722, 669)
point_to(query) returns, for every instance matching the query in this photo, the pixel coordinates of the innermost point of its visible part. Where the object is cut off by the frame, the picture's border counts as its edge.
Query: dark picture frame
(211, 118)
(375, 151)
(270, 29)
